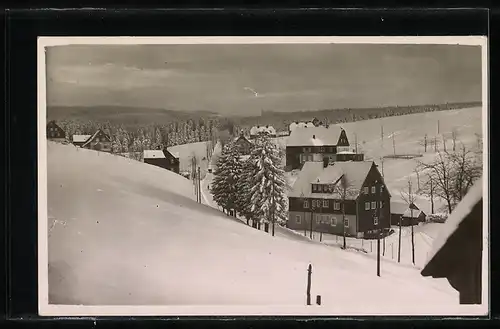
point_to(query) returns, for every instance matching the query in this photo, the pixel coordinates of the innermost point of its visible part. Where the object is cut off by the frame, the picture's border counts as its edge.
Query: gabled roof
(154, 154)
(314, 173)
(81, 138)
(314, 136)
(401, 207)
(158, 154)
(457, 216)
(301, 124)
(260, 129)
(93, 136)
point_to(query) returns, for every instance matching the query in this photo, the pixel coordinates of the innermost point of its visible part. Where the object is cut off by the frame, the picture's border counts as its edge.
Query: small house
(243, 145)
(163, 159)
(405, 212)
(54, 132)
(98, 141)
(318, 194)
(457, 252)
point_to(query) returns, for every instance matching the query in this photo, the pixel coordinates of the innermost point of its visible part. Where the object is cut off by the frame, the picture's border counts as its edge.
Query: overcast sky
(286, 77)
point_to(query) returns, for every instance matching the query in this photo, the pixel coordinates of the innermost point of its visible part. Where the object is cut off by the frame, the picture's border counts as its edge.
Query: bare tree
(428, 190)
(444, 143)
(452, 175)
(479, 141)
(409, 197)
(344, 189)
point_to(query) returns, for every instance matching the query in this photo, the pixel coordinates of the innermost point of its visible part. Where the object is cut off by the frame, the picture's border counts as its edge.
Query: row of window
(323, 219)
(322, 149)
(373, 205)
(325, 188)
(324, 204)
(366, 189)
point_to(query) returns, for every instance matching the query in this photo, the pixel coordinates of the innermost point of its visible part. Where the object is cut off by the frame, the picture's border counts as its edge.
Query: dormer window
(373, 189)
(365, 189)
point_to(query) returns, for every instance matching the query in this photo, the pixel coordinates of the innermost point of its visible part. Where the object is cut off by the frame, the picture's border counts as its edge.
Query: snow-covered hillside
(126, 233)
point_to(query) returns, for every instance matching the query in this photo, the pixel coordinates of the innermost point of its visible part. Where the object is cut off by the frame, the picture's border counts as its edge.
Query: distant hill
(123, 115)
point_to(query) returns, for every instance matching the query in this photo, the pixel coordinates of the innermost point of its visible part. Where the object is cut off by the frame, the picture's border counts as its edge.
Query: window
(333, 220)
(314, 187)
(336, 206)
(381, 204)
(325, 203)
(346, 222)
(373, 189)
(375, 220)
(304, 149)
(314, 203)
(367, 205)
(374, 205)
(365, 189)
(298, 219)
(322, 149)
(318, 219)
(306, 204)
(325, 189)
(381, 188)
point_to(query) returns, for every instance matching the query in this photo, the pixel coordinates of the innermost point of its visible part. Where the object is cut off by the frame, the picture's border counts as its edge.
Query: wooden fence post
(309, 272)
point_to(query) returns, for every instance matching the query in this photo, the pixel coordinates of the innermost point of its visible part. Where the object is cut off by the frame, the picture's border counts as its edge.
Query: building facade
(316, 144)
(318, 195)
(54, 132)
(99, 141)
(243, 145)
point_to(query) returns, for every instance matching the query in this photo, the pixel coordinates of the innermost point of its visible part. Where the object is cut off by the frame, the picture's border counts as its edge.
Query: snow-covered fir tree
(243, 201)
(268, 183)
(228, 170)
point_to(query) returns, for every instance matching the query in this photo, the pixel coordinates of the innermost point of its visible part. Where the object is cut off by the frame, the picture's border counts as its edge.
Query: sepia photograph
(226, 176)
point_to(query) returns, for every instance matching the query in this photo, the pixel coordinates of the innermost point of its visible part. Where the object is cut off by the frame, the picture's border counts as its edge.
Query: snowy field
(125, 233)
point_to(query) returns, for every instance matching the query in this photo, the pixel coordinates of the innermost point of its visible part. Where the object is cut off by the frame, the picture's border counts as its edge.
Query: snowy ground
(125, 233)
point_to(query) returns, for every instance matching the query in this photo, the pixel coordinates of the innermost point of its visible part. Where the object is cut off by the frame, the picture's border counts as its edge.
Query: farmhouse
(405, 212)
(54, 132)
(162, 158)
(317, 143)
(243, 145)
(318, 194)
(255, 130)
(457, 252)
(98, 141)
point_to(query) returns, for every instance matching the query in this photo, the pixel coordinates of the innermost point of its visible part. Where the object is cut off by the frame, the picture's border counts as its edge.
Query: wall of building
(323, 222)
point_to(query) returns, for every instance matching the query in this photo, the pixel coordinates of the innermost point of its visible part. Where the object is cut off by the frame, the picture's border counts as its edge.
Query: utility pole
(312, 217)
(382, 162)
(199, 183)
(410, 199)
(438, 127)
(393, 143)
(377, 213)
(399, 245)
(431, 194)
(356, 143)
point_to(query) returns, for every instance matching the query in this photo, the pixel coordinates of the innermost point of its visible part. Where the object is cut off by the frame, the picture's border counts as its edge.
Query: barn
(406, 212)
(98, 141)
(163, 159)
(457, 253)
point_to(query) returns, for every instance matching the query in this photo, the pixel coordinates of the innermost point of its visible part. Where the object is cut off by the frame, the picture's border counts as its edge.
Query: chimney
(314, 136)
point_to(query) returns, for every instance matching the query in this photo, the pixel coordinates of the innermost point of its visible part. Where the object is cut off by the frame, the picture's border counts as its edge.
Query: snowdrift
(122, 232)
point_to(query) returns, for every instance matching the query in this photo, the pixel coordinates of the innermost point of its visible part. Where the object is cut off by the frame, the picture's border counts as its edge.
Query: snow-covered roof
(154, 154)
(261, 129)
(93, 136)
(158, 154)
(314, 136)
(301, 124)
(314, 172)
(81, 138)
(462, 210)
(409, 214)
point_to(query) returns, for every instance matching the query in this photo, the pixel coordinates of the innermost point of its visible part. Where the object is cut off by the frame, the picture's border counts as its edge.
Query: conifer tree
(267, 182)
(226, 175)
